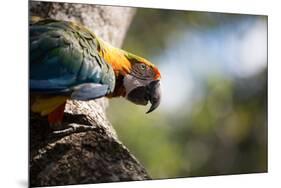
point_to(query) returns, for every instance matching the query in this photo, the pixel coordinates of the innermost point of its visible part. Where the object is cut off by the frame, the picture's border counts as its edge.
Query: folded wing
(64, 60)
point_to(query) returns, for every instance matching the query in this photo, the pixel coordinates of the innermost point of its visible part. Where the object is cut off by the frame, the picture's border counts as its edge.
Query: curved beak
(153, 95)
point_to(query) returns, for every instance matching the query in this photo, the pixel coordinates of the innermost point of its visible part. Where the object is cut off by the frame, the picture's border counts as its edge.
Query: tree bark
(91, 156)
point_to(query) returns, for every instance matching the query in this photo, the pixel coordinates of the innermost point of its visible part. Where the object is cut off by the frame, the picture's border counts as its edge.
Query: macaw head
(137, 79)
(142, 82)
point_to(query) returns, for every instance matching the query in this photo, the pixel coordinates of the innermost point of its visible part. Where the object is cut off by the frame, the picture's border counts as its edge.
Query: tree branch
(93, 154)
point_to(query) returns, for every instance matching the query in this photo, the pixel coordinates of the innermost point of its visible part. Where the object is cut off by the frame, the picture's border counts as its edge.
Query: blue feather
(65, 60)
(89, 91)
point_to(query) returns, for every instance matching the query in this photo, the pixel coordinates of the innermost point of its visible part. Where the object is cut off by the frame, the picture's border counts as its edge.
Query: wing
(64, 59)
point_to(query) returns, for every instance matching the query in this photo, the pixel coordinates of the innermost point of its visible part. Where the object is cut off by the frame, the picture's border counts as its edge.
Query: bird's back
(64, 55)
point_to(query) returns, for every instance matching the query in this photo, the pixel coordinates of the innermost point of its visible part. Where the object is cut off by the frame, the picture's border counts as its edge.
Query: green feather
(64, 52)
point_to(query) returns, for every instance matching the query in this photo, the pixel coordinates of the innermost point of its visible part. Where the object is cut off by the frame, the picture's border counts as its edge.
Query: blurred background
(213, 115)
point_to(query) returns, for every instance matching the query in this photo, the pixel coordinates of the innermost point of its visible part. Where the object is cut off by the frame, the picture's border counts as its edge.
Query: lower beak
(153, 95)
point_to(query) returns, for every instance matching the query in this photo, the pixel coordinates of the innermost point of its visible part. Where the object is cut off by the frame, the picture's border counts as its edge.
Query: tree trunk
(91, 156)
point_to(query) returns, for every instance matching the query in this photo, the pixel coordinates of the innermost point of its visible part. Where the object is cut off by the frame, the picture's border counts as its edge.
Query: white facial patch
(130, 82)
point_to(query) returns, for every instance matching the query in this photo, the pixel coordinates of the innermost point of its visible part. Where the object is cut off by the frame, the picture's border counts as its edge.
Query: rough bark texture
(91, 156)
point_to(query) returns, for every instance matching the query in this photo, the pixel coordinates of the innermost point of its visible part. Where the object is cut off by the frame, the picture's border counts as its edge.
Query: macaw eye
(142, 66)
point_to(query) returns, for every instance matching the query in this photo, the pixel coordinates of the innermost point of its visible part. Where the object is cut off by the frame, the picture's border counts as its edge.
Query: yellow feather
(45, 105)
(115, 57)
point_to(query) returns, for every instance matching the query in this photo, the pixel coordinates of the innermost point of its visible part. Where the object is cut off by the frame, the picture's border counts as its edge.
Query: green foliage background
(225, 132)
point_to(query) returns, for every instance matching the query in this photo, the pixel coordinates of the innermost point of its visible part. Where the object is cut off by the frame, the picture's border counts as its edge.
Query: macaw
(68, 61)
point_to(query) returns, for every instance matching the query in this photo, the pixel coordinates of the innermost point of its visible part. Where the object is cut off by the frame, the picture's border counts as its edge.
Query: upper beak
(153, 95)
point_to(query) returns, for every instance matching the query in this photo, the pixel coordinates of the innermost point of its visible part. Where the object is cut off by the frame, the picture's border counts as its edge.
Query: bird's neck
(120, 64)
(116, 58)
